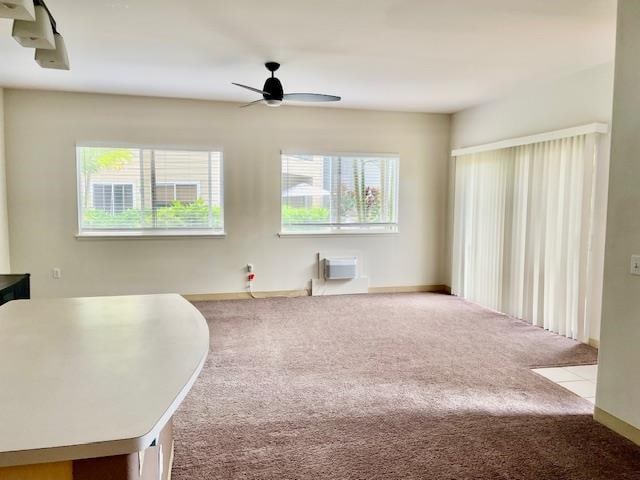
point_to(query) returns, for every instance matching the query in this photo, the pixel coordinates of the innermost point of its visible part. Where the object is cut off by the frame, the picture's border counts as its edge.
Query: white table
(94, 377)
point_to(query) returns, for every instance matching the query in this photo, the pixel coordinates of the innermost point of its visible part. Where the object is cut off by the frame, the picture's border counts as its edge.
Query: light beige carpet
(406, 386)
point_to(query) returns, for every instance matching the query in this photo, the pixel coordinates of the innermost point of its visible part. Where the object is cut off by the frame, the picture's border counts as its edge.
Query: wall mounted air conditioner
(344, 268)
(339, 276)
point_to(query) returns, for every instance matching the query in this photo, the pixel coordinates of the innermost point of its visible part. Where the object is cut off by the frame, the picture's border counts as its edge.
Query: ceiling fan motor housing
(274, 90)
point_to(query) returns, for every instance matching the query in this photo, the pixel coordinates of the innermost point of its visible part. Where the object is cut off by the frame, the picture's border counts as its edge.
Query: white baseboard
(440, 288)
(339, 287)
(617, 425)
(207, 297)
(203, 297)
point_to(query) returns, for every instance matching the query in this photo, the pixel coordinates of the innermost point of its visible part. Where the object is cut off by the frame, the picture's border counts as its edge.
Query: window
(339, 193)
(112, 198)
(167, 193)
(142, 191)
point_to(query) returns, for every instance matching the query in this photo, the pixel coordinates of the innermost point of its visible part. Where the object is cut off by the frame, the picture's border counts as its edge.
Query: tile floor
(580, 379)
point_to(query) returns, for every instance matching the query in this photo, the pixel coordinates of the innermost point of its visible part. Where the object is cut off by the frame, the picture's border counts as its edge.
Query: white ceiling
(415, 55)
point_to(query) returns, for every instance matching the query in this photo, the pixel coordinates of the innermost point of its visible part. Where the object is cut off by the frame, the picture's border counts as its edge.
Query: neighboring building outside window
(146, 191)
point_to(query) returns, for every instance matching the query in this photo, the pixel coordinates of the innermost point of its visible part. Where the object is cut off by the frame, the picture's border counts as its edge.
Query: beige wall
(578, 99)
(5, 264)
(619, 371)
(42, 193)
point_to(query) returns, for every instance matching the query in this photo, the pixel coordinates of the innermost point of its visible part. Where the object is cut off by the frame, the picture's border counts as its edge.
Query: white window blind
(147, 191)
(339, 193)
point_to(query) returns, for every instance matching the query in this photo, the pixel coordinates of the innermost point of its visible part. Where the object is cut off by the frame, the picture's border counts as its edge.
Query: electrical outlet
(635, 264)
(56, 273)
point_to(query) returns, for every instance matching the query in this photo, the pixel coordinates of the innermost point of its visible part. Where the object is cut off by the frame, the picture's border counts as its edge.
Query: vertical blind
(146, 189)
(523, 225)
(326, 193)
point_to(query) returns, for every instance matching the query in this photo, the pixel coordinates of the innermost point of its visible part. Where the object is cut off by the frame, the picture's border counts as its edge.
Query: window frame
(344, 229)
(149, 233)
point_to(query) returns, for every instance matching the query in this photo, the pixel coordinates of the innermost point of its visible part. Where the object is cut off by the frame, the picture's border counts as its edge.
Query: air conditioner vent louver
(340, 268)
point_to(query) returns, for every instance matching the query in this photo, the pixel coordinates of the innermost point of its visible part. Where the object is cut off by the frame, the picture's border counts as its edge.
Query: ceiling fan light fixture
(57, 59)
(35, 34)
(17, 9)
(272, 102)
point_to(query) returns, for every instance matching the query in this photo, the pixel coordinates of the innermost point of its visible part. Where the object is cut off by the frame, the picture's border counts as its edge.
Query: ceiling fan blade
(261, 92)
(311, 97)
(252, 103)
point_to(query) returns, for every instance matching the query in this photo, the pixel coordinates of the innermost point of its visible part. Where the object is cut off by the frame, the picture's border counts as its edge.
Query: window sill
(362, 233)
(149, 235)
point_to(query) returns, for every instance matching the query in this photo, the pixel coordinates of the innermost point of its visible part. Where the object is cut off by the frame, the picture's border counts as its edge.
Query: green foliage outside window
(361, 206)
(304, 215)
(178, 214)
(351, 211)
(97, 159)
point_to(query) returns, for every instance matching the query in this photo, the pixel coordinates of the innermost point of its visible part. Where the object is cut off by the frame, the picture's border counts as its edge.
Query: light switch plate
(635, 264)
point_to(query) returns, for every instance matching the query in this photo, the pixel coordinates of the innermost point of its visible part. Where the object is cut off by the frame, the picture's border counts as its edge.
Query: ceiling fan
(273, 94)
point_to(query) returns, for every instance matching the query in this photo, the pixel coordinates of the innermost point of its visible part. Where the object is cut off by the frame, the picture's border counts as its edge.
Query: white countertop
(92, 377)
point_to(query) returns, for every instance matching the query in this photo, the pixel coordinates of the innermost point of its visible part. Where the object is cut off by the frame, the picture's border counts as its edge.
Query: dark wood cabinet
(14, 287)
